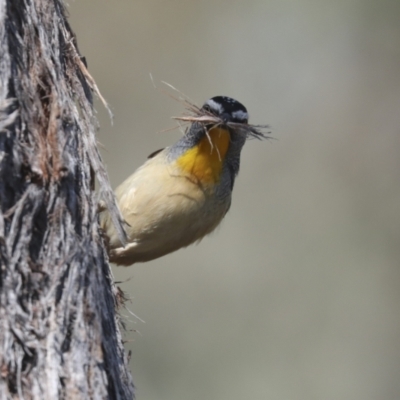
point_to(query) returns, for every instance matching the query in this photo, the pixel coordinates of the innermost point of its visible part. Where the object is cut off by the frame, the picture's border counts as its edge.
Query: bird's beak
(225, 117)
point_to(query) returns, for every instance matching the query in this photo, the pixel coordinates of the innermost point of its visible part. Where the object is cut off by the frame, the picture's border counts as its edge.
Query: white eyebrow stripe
(215, 106)
(240, 114)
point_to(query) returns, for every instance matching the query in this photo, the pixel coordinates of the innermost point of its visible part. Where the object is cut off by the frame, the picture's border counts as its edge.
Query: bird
(182, 192)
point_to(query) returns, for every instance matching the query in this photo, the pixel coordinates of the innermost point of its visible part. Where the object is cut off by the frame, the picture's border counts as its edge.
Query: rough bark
(59, 333)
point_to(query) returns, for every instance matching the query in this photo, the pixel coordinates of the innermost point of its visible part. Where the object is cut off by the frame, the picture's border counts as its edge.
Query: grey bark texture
(59, 329)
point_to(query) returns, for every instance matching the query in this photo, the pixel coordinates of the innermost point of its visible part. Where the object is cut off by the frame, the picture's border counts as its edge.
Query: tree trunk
(59, 333)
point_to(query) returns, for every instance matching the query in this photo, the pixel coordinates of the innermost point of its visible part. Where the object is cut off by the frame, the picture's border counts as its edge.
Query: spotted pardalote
(181, 193)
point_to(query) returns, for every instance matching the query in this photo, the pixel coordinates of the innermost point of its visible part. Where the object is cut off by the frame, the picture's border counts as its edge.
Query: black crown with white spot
(226, 108)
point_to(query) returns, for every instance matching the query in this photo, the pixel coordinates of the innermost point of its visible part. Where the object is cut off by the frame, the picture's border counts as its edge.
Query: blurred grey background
(297, 295)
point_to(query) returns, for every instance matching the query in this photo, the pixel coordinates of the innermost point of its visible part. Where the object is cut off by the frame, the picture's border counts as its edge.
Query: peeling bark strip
(59, 334)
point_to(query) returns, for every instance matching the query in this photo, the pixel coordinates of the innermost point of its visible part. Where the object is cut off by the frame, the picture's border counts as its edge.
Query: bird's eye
(207, 108)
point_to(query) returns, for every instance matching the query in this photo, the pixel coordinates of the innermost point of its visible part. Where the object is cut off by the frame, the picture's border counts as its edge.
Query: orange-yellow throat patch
(204, 161)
